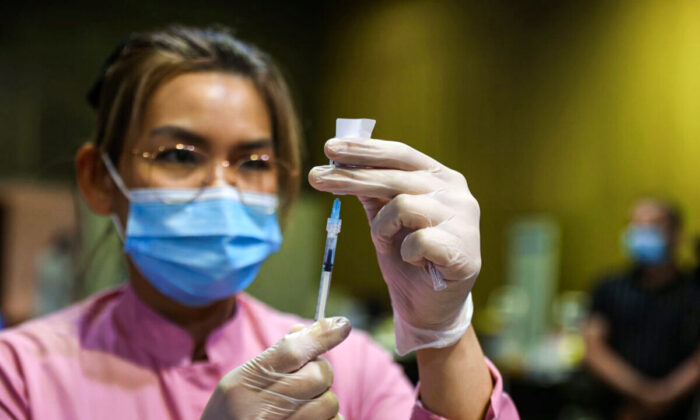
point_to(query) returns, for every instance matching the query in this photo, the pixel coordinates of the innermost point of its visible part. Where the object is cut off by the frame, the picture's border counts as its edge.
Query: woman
(196, 147)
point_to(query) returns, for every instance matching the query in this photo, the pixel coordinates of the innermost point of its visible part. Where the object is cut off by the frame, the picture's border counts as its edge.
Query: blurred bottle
(55, 275)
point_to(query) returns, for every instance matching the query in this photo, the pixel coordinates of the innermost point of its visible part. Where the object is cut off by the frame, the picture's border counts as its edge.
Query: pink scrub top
(112, 357)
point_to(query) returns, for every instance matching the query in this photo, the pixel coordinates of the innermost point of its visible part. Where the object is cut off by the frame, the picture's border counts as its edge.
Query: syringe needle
(332, 229)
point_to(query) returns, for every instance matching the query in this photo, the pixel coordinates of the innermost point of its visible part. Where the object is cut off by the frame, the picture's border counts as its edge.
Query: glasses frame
(284, 168)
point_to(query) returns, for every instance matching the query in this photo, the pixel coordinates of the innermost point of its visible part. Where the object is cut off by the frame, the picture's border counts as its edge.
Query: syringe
(332, 229)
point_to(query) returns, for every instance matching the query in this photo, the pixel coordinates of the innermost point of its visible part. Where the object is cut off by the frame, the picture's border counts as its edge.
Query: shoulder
(58, 332)
(689, 282)
(615, 280)
(689, 289)
(613, 284)
(51, 332)
(609, 290)
(29, 351)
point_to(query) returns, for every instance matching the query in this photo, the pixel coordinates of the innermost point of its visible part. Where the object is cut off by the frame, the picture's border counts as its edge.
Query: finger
(379, 154)
(293, 390)
(406, 211)
(375, 183)
(297, 327)
(312, 380)
(274, 407)
(445, 250)
(324, 407)
(296, 349)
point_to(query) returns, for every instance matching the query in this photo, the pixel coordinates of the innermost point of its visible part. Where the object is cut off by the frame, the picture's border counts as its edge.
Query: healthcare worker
(195, 155)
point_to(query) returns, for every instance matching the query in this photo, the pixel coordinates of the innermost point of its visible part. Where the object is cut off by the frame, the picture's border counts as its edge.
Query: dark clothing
(653, 329)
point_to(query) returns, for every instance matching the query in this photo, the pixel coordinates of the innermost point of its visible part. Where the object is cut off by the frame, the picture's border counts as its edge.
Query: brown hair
(144, 61)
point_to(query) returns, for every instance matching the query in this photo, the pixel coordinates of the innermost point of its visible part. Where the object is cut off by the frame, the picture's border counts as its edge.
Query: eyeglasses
(190, 169)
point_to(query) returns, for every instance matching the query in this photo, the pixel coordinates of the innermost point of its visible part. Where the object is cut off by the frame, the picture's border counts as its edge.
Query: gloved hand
(287, 381)
(419, 211)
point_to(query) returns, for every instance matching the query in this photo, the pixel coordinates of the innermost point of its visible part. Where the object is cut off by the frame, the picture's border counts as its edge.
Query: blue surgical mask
(646, 245)
(203, 250)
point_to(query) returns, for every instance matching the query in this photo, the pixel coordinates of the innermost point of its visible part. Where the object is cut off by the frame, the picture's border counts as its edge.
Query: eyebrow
(254, 144)
(198, 140)
(180, 134)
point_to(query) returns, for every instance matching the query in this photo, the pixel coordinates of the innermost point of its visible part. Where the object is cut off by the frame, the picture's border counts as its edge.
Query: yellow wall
(574, 119)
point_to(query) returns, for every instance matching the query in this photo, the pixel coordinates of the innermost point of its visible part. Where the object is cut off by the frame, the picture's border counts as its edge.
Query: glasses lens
(178, 172)
(256, 178)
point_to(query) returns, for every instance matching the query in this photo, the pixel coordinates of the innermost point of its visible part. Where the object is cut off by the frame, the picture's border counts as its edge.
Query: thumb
(300, 346)
(296, 327)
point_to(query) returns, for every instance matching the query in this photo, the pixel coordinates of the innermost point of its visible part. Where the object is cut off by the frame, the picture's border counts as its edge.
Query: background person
(643, 334)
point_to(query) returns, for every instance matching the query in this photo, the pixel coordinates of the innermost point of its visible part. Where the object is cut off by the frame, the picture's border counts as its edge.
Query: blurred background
(559, 113)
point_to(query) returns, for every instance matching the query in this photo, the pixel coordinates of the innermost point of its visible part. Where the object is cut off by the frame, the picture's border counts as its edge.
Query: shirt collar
(165, 341)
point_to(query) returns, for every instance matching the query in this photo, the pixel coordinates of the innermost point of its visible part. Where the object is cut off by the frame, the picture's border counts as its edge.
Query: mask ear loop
(114, 174)
(117, 226)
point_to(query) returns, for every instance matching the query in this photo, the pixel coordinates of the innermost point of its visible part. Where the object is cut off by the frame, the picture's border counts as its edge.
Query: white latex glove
(287, 381)
(419, 211)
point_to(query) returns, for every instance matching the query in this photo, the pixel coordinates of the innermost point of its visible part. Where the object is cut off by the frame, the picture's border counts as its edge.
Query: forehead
(221, 107)
(649, 212)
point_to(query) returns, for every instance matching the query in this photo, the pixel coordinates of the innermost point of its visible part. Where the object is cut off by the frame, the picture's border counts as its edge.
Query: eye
(180, 155)
(258, 163)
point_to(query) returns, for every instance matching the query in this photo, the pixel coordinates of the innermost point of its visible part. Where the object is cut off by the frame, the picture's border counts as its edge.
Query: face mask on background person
(645, 245)
(206, 248)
